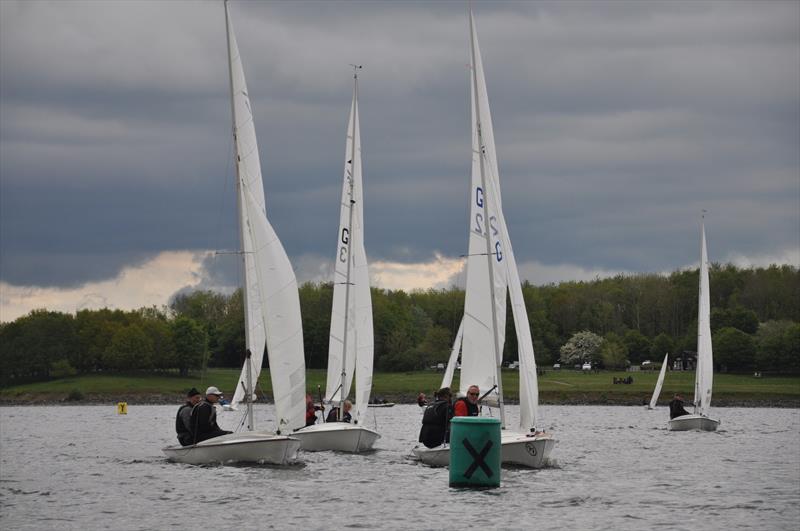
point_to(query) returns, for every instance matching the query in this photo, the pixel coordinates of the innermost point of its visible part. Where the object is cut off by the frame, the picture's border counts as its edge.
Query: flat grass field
(555, 387)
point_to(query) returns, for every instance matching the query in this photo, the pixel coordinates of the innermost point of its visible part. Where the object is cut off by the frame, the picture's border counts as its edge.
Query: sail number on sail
(498, 248)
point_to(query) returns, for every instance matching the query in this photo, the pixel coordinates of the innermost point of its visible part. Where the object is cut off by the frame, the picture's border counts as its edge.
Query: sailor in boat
(467, 406)
(676, 407)
(204, 417)
(183, 420)
(422, 400)
(333, 416)
(311, 411)
(436, 420)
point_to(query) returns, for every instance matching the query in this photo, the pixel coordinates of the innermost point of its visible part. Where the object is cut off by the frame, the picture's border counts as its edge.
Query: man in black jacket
(204, 417)
(436, 420)
(676, 407)
(183, 420)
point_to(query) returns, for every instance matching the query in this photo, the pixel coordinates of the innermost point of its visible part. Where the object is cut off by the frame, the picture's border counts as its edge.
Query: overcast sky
(616, 123)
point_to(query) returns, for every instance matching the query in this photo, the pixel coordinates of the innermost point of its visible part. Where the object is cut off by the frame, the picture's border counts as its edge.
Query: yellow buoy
(122, 408)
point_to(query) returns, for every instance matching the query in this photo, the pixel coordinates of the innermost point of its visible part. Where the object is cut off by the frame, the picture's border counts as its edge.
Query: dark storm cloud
(615, 123)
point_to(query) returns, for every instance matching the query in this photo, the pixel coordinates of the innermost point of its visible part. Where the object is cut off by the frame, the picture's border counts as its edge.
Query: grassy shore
(555, 387)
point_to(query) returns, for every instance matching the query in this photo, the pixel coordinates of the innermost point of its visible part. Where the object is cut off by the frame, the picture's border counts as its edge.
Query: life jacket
(472, 409)
(180, 426)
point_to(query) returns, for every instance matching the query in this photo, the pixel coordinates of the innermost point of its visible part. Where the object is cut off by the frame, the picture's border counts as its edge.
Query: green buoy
(475, 452)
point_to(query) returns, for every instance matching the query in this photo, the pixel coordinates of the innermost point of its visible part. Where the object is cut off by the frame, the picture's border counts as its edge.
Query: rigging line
(477, 254)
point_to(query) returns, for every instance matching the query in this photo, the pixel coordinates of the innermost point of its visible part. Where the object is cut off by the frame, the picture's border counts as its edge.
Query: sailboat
(491, 275)
(659, 383)
(704, 372)
(271, 304)
(350, 347)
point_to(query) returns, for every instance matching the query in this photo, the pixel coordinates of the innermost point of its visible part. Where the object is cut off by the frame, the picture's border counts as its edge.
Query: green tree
(613, 352)
(734, 349)
(637, 345)
(190, 344)
(130, 349)
(737, 317)
(662, 344)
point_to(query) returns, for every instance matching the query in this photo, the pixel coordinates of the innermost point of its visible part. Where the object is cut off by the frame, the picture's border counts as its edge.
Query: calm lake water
(85, 467)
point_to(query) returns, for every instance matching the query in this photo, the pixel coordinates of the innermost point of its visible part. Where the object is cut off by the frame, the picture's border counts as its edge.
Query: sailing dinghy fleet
(273, 321)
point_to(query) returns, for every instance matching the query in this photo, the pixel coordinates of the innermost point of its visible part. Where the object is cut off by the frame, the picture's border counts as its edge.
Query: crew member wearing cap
(183, 420)
(204, 417)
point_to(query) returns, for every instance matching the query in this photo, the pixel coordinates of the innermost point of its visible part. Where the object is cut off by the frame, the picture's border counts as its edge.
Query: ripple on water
(613, 467)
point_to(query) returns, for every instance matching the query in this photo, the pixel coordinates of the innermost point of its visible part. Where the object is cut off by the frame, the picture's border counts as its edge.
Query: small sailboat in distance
(350, 347)
(272, 308)
(704, 372)
(659, 383)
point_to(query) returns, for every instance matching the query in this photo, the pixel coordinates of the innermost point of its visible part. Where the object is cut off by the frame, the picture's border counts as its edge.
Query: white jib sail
(447, 379)
(484, 329)
(355, 308)
(704, 376)
(659, 382)
(272, 303)
(281, 319)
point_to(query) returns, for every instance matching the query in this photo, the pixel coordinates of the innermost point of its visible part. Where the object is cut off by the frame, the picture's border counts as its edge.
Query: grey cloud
(615, 122)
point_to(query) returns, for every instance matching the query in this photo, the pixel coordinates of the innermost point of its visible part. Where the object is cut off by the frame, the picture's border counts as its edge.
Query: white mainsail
(704, 375)
(272, 303)
(350, 347)
(659, 382)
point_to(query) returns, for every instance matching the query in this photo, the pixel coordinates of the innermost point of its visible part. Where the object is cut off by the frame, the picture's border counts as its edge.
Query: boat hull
(437, 457)
(693, 422)
(336, 436)
(518, 449)
(243, 447)
(529, 450)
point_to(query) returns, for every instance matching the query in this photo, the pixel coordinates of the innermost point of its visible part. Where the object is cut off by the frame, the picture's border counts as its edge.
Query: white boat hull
(243, 447)
(438, 456)
(518, 449)
(336, 436)
(693, 422)
(529, 450)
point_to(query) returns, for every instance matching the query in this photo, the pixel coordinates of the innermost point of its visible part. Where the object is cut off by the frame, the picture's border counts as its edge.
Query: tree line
(611, 322)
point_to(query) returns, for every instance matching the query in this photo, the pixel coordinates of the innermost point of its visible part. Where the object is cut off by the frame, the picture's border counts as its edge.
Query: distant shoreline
(557, 399)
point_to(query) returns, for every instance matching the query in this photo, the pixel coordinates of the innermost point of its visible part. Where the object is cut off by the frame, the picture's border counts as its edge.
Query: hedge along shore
(559, 398)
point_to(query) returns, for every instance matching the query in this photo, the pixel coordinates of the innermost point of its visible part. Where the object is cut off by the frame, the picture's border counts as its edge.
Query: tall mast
(351, 177)
(242, 228)
(487, 232)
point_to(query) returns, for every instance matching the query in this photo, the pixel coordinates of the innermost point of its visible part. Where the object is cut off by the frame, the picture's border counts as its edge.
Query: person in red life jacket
(467, 406)
(311, 411)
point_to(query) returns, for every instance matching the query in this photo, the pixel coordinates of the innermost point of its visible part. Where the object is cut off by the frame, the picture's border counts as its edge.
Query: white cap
(213, 391)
